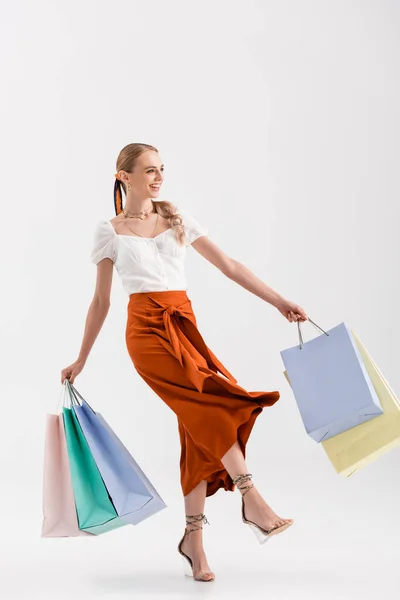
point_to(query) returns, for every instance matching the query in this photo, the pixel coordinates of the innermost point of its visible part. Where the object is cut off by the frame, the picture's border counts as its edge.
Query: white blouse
(147, 264)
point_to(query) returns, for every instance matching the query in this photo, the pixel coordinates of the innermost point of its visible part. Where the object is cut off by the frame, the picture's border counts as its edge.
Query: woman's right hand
(72, 371)
(291, 311)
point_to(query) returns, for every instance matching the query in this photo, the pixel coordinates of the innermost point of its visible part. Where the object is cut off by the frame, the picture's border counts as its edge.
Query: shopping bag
(355, 448)
(131, 492)
(95, 510)
(330, 383)
(59, 511)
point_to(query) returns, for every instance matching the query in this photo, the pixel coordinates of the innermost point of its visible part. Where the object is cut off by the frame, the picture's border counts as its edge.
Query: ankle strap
(192, 519)
(241, 478)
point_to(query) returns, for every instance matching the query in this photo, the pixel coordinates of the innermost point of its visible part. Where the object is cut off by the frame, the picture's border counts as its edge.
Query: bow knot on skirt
(213, 411)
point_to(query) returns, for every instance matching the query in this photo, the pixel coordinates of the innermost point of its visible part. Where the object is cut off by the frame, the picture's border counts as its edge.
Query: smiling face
(148, 171)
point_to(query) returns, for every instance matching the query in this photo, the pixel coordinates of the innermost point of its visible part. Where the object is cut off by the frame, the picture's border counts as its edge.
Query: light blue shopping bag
(330, 383)
(131, 492)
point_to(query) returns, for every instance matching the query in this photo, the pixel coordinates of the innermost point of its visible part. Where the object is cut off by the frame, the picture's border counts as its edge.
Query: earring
(129, 186)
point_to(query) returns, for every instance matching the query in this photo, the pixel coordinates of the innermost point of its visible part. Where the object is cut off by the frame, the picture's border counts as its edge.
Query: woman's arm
(95, 318)
(240, 274)
(99, 307)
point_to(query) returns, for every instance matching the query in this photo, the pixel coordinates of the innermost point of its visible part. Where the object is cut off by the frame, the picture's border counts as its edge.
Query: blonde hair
(126, 162)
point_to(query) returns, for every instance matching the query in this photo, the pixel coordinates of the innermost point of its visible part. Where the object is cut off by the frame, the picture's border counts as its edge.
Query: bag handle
(76, 396)
(65, 393)
(300, 334)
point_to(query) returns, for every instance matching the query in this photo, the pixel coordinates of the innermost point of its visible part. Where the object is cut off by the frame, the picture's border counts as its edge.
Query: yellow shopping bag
(355, 448)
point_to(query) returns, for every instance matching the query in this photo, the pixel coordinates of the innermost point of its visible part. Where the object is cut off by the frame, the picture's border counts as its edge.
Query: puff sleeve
(193, 228)
(104, 242)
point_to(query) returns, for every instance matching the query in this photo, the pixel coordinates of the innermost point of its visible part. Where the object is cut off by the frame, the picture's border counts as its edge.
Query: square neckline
(140, 237)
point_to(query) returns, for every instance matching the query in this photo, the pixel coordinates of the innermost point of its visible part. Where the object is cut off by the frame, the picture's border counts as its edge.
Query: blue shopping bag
(330, 383)
(131, 492)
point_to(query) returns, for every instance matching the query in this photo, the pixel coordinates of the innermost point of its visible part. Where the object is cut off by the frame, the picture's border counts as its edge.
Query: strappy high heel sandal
(187, 561)
(261, 534)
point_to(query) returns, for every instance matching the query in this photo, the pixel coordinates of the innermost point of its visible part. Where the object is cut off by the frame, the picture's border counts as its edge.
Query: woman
(147, 241)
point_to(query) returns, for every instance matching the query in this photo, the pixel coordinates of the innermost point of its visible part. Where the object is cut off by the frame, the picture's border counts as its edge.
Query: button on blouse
(147, 264)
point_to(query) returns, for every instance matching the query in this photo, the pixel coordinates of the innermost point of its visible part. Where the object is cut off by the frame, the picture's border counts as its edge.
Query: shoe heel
(262, 537)
(187, 569)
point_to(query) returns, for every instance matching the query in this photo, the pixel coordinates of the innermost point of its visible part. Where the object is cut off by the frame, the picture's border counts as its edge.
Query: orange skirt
(212, 410)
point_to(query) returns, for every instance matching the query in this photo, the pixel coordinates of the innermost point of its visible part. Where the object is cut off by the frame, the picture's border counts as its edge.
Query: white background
(278, 125)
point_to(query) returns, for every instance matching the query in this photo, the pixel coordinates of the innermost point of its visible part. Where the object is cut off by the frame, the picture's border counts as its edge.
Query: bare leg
(256, 509)
(193, 542)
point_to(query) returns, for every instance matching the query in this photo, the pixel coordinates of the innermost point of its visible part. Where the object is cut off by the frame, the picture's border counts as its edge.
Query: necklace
(143, 235)
(142, 215)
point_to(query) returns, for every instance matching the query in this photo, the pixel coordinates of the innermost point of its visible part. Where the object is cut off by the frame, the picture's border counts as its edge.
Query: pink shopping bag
(59, 512)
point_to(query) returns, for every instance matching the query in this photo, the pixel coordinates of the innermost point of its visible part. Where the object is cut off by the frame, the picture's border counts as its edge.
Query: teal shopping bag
(95, 510)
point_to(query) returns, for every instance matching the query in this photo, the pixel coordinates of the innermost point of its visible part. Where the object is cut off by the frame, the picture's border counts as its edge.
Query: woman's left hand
(291, 311)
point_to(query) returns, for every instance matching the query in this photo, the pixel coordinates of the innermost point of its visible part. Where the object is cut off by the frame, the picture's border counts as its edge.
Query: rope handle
(300, 334)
